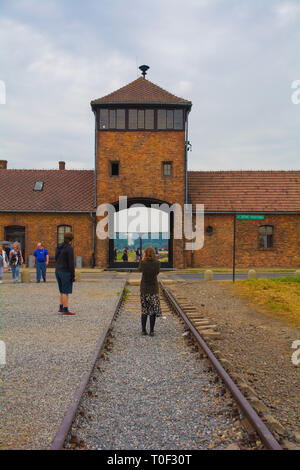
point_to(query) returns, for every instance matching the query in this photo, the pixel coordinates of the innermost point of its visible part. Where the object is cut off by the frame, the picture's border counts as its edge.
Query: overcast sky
(234, 59)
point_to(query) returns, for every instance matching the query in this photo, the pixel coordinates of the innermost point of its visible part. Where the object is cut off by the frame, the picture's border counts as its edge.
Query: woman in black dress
(150, 304)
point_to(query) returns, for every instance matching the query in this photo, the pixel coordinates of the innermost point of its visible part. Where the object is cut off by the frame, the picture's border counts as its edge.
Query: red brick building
(141, 148)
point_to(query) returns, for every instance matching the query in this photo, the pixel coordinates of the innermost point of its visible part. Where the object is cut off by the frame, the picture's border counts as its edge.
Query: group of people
(138, 254)
(149, 266)
(11, 259)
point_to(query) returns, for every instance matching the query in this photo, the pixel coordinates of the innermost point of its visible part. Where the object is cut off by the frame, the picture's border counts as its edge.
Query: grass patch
(229, 270)
(278, 298)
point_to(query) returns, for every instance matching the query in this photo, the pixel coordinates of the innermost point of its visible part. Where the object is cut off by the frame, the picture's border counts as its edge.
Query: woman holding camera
(150, 303)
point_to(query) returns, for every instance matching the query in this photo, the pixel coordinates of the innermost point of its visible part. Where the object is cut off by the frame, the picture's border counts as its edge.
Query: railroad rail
(266, 436)
(245, 407)
(66, 423)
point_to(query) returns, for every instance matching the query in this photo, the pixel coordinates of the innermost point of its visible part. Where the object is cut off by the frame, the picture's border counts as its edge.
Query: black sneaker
(151, 333)
(144, 333)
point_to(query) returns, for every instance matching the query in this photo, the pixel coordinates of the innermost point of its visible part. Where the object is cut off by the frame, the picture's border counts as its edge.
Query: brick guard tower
(141, 153)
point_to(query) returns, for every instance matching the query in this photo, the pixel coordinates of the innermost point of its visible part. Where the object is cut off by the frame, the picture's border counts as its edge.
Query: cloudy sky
(235, 59)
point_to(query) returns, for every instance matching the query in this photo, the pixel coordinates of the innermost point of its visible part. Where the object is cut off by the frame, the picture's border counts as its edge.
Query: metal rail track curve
(66, 423)
(265, 434)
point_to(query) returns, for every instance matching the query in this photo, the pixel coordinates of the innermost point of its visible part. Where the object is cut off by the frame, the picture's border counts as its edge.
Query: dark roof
(63, 190)
(141, 90)
(245, 191)
(219, 191)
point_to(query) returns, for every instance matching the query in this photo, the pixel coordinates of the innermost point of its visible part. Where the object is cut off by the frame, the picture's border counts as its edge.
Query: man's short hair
(68, 237)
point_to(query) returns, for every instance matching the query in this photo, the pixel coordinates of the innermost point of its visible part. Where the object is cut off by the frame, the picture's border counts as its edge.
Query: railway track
(199, 331)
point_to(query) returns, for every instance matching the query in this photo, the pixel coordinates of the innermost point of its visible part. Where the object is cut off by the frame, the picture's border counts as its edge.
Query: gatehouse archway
(139, 226)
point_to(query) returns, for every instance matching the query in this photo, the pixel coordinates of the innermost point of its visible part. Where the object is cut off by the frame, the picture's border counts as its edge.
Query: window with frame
(133, 119)
(139, 119)
(149, 119)
(61, 230)
(170, 119)
(39, 185)
(161, 119)
(266, 236)
(167, 169)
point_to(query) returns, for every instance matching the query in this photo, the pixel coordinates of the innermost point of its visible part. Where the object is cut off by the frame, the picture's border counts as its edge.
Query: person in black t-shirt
(65, 272)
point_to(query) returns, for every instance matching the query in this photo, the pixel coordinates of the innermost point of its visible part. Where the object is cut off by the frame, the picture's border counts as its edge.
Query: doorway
(136, 228)
(16, 233)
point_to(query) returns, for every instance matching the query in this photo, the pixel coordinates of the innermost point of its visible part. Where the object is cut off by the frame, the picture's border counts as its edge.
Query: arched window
(61, 230)
(265, 236)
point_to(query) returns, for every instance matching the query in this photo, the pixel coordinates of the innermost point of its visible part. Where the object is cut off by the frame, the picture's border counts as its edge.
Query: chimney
(62, 165)
(3, 164)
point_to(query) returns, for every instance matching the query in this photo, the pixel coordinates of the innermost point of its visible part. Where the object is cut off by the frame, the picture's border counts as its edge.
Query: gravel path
(152, 392)
(258, 347)
(47, 353)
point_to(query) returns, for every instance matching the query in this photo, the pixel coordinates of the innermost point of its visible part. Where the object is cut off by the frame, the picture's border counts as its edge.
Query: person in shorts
(65, 272)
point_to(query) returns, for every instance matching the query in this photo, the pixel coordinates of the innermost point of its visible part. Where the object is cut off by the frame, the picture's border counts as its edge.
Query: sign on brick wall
(250, 216)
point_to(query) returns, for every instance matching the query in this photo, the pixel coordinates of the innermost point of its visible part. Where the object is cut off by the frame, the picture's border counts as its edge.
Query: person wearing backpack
(65, 272)
(15, 261)
(40, 261)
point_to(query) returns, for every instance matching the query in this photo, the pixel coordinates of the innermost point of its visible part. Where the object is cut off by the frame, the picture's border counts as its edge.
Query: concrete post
(25, 276)
(208, 275)
(252, 274)
(30, 261)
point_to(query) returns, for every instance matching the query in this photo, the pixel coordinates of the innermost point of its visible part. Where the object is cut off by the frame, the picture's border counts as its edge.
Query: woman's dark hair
(68, 237)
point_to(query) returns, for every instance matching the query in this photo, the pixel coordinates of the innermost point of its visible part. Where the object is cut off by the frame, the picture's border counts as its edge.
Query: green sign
(250, 216)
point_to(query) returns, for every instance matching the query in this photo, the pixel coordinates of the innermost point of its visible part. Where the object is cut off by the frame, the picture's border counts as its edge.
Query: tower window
(103, 118)
(161, 119)
(114, 168)
(141, 119)
(132, 119)
(149, 119)
(167, 168)
(112, 118)
(178, 119)
(120, 118)
(170, 115)
(265, 236)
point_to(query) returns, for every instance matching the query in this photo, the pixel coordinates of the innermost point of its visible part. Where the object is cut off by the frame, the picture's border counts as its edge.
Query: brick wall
(217, 250)
(43, 227)
(140, 156)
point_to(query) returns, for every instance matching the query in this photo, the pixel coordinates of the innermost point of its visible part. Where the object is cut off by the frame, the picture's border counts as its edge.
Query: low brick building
(141, 148)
